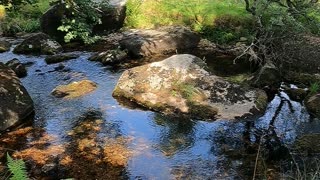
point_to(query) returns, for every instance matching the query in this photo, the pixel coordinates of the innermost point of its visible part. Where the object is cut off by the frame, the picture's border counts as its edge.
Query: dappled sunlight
(2, 12)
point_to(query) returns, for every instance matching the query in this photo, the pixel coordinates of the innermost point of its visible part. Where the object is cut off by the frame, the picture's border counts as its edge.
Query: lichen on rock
(180, 85)
(74, 89)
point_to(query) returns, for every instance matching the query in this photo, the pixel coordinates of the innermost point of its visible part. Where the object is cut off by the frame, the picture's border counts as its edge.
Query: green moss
(261, 100)
(186, 90)
(239, 78)
(201, 111)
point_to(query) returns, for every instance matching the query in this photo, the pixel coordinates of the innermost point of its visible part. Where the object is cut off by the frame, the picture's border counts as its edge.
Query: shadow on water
(94, 137)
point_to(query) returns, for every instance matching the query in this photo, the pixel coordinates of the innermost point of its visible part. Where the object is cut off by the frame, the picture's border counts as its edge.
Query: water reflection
(101, 139)
(174, 134)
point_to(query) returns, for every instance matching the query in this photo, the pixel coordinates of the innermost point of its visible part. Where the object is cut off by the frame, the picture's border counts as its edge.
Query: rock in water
(39, 43)
(74, 89)
(110, 57)
(17, 67)
(181, 85)
(313, 105)
(4, 46)
(159, 41)
(60, 57)
(16, 104)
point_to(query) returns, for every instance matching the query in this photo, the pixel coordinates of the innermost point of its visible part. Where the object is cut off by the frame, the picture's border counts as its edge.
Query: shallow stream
(95, 137)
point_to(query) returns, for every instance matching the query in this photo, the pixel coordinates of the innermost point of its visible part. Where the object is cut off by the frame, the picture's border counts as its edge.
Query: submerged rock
(109, 57)
(4, 46)
(74, 89)
(16, 104)
(313, 105)
(60, 57)
(181, 85)
(39, 43)
(17, 67)
(159, 41)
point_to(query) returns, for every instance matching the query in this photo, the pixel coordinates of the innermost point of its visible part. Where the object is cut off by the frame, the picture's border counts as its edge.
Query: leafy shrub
(82, 16)
(200, 15)
(228, 28)
(23, 18)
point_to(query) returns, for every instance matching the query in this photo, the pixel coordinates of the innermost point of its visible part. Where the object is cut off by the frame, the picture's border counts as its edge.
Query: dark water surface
(150, 145)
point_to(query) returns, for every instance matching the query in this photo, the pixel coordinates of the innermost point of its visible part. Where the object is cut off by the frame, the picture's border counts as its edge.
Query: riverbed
(97, 137)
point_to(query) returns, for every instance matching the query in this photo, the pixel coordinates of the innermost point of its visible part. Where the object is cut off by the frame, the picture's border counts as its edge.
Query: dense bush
(203, 16)
(23, 17)
(81, 17)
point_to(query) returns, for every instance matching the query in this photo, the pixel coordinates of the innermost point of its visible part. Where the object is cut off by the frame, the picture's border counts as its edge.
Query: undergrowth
(314, 88)
(220, 21)
(17, 169)
(22, 18)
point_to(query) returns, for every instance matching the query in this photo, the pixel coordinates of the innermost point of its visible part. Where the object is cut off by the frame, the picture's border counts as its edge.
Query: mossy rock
(4, 46)
(38, 43)
(301, 78)
(180, 85)
(313, 105)
(74, 89)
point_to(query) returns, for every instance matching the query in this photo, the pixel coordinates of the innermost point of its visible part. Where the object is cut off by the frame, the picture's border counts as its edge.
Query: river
(96, 137)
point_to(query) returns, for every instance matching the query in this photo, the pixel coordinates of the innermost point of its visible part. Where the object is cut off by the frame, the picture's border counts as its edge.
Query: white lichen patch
(179, 63)
(155, 81)
(52, 44)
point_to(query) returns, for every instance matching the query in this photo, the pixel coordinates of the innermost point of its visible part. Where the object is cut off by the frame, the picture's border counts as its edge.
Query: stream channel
(95, 137)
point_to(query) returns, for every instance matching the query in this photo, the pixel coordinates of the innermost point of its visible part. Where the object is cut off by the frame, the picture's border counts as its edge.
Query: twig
(257, 158)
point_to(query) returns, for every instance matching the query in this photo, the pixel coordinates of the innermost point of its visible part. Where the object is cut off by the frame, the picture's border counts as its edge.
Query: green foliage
(83, 16)
(23, 18)
(228, 28)
(187, 91)
(200, 15)
(314, 88)
(17, 168)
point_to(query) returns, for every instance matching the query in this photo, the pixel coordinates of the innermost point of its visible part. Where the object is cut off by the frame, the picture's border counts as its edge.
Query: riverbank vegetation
(22, 17)
(221, 21)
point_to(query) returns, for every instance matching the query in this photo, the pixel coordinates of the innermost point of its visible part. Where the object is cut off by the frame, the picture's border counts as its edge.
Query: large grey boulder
(159, 41)
(180, 85)
(112, 19)
(16, 104)
(38, 43)
(51, 20)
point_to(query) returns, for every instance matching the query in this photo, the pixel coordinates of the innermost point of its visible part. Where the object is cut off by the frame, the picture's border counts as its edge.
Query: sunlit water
(164, 148)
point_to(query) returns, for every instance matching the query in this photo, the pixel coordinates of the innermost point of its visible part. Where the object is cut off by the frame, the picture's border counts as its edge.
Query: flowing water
(95, 137)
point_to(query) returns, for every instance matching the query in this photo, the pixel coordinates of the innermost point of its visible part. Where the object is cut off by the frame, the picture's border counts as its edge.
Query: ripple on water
(97, 136)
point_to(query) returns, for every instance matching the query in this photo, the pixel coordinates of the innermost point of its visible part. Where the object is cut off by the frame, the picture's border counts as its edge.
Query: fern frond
(17, 168)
